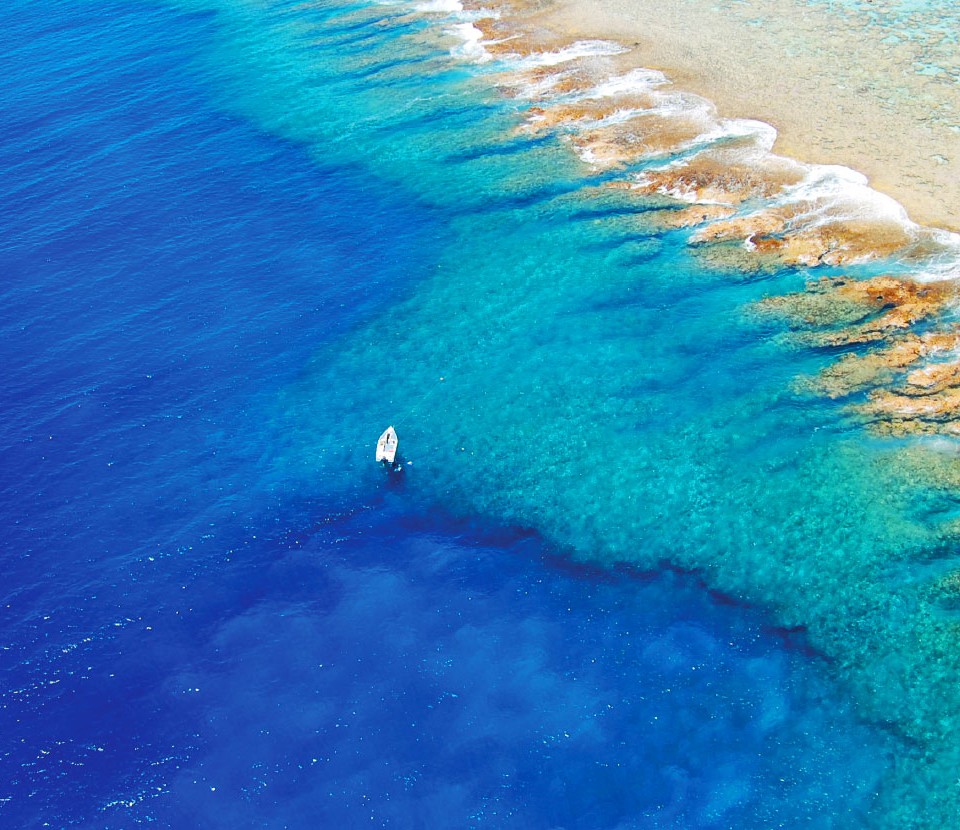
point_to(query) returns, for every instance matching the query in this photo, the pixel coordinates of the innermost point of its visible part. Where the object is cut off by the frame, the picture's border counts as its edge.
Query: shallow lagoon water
(245, 237)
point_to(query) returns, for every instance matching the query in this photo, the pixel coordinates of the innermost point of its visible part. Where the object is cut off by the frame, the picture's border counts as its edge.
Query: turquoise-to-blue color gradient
(240, 238)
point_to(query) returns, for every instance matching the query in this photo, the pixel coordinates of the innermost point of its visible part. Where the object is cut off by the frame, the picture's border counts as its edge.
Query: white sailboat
(387, 445)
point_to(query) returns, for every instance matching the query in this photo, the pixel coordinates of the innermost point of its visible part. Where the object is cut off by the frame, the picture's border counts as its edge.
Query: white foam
(619, 116)
(636, 81)
(831, 192)
(946, 262)
(579, 49)
(689, 196)
(587, 156)
(685, 105)
(680, 194)
(949, 241)
(479, 14)
(535, 90)
(448, 7)
(471, 46)
(763, 135)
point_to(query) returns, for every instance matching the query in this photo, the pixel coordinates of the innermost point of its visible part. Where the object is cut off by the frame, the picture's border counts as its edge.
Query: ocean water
(628, 575)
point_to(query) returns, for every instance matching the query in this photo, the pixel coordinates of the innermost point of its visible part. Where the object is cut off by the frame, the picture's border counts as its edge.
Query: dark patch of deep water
(189, 642)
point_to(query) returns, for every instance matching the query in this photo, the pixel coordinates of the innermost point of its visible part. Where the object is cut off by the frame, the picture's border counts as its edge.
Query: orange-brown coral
(896, 414)
(854, 372)
(786, 233)
(565, 114)
(906, 397)
(643, 136)
(497, 32)
(866, 310)
(510, 34)
(903, 304)
(933, 378)
(717, 177)
(691, 216)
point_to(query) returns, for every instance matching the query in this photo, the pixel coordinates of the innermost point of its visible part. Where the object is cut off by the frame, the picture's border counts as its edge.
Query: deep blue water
(190, 641)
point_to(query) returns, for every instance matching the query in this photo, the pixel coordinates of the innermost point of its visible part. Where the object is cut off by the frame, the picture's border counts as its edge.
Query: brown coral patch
(895, 414)
(906, 397)
(643, 136)
(933, 378)
(773, 238)
(716, 177)
(499, 36)
(864, 310)
(924, 401)
(516, 37)
(586, 110)
(786, 233)
(691, 216)
(902, 308)
(549, 79)
(853, 373)
(548, 118)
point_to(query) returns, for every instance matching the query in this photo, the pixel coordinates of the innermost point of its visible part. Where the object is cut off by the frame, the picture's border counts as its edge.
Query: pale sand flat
(834, 89)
